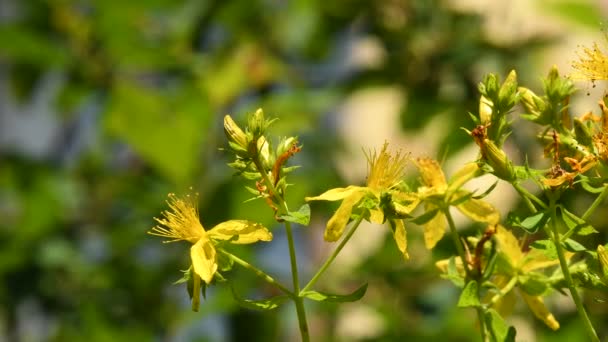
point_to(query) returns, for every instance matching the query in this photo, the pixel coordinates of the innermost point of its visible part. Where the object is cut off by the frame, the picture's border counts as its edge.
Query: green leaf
(29, 46)
(576, 224)
(573, 246)
(547, 247)
(302, 216)
(262, 304)
(584, 13)
(534, 284)
(165, 128)
(327, 297)
(426, 217)
(469, 295)
(532, 224)
(452, 274)
(498, 328)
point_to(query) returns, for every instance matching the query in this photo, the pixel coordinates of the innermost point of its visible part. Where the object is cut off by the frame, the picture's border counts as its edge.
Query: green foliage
(133, 94)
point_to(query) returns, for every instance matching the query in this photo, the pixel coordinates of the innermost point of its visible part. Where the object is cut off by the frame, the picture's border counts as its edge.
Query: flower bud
(237, 139)
(485, 110)
(507, 95)
(535, 106)
(257, 124)
(498, 160)
(489, 86)
(602, 256)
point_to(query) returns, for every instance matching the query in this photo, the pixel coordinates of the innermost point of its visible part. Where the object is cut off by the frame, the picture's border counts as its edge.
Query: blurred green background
(106, 106)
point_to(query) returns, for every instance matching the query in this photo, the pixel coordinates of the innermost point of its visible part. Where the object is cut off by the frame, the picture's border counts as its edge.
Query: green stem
(259, 273)
(461, 253)
(598, 200)
(333, 255)
(564, 266)
(502, 292)
(298, 300)
(527, 196)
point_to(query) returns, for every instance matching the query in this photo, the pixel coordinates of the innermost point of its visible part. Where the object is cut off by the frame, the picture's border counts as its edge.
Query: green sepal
(498, 328)
(487, 192)
(327, 297)
(261, 304)
(426, 217)
(224, 263)
(302, 216)
(470, 295)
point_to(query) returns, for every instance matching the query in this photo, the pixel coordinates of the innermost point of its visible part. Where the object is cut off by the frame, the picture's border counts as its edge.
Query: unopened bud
(602, 256)
(485, 110)
(498, 160)
(257, 123)
(535, 106)
(237, 139)
(508, 91)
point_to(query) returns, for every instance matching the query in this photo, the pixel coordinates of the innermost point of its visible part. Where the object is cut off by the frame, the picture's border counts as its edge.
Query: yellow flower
(592, 64)
(437, 194)
(181, 222)
(385, 173)
(513, 272)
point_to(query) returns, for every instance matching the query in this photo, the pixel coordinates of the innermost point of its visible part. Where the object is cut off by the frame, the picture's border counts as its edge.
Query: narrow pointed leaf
(327, 297)
(261, 304)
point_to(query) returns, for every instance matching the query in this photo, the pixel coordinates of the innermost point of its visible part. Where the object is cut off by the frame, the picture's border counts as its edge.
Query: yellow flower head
(181, 222)
(592, 64)
(384, 170)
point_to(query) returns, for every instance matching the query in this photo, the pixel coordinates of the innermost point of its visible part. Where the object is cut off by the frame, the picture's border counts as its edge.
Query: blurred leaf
(585, 13)
(262, 304)
(302, 216)
(166, 128)
(23, 45)
(499, 329)
(469, 295)
(547, 247)
(328, 297)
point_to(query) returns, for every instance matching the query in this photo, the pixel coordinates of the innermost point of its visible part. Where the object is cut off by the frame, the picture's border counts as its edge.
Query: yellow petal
(240, 232)
(536, 304)
(400, 236)
(509, 246)
(336, 224)
(434, 229)
(468, 172)
(536, 259)
(478, 210)
(204, 260)
(405, 202)
(443, 264)
(376, 216)
(431, 173)
(336, 194)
